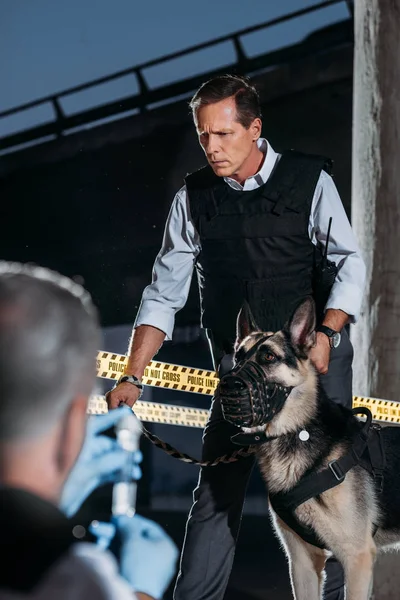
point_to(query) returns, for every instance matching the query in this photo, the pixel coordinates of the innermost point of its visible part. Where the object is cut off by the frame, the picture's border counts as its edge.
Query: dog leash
(174, 415)
(225, 459)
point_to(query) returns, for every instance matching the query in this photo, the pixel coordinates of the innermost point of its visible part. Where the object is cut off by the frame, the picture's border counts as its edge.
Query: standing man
(253, 224)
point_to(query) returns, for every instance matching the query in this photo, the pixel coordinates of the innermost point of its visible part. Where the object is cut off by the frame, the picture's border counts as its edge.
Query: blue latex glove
(148, 555)
(104, 532)
(99, 462)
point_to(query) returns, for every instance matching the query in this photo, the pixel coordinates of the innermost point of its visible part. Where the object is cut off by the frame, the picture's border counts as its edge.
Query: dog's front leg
(306, 564)
(358, 570)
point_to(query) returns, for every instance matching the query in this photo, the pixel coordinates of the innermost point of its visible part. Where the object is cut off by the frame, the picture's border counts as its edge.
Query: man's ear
(73, 433)
(302, 324)
(256, 128)
(245, 324)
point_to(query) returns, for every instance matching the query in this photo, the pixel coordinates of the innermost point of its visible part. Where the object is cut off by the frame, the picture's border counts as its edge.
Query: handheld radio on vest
(324, 278)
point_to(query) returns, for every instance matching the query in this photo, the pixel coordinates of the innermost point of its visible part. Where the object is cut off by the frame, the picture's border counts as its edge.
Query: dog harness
(367, 451)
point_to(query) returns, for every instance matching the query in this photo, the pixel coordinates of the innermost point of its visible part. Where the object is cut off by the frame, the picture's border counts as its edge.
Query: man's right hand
(147, 555)
(124, 393)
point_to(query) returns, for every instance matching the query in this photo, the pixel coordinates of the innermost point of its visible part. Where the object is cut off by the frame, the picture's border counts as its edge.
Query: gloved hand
(99, 462)
(148, 555)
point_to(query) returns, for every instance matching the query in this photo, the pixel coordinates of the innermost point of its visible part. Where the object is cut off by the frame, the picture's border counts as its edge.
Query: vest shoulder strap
(293, 161)
(294, 179)
(291, 184)
(202, 179)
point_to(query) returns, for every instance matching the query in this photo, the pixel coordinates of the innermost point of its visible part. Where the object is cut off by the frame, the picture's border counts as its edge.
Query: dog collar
(252, 439)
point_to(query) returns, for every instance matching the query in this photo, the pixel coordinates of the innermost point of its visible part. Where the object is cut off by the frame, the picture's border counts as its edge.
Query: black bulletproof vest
(254, 245)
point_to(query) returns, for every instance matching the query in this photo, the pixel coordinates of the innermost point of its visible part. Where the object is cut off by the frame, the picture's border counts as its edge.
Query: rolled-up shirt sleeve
(348, 288)
(172, 269)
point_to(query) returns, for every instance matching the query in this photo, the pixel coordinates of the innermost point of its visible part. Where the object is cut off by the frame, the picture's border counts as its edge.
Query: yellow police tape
(200, 381)
(153, 412)
(158, 374)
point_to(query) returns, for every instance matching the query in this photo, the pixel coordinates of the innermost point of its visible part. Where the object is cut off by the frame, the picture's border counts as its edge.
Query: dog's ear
(245, 323)
(302, 325)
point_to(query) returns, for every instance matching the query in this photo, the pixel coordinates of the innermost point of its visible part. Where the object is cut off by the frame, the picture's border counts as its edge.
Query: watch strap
(327, 330)
(330, 333)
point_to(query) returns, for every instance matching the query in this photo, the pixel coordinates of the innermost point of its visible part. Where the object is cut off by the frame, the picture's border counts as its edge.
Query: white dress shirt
(173, 267)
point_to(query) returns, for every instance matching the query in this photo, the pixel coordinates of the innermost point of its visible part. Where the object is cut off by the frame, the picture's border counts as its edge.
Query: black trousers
(214, 520)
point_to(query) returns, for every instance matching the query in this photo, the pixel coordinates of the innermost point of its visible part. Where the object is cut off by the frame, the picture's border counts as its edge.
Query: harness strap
(314, 483)
(308, 534)
(294, 167)
(367, 448)
(374, 458)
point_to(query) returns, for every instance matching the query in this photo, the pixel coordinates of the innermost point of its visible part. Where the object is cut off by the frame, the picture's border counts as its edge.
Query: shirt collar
(265, 171)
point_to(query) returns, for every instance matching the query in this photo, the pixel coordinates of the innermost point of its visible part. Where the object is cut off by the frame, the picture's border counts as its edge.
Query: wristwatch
(133, 380)
(334, 336)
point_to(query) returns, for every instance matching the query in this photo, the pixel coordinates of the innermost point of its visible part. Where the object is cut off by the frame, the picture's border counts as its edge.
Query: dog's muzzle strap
(247, 399)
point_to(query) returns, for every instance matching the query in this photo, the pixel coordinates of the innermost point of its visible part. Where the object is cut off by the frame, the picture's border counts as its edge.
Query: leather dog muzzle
(247, 399)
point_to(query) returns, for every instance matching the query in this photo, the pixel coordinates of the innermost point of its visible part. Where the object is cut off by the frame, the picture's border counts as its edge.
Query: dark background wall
(93, 205)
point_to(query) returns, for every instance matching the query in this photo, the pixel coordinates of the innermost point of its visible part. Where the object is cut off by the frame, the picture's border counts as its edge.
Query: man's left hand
(320, 353)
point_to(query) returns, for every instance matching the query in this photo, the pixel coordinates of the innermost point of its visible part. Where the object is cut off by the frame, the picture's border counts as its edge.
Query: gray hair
(49, 335)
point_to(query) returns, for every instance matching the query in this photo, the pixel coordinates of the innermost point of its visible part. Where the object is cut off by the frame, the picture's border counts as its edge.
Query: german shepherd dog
(272, 393)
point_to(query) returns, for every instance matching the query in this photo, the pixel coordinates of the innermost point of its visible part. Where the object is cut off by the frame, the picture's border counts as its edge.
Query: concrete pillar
(376, 194)
(376, 217)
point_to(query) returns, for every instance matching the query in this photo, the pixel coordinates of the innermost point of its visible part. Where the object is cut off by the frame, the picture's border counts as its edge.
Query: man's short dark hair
(225, 86)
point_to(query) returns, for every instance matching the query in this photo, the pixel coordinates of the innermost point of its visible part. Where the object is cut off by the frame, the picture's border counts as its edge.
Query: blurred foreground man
(49, 337)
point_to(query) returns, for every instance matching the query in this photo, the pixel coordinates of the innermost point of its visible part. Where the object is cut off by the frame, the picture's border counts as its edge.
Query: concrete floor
(387, 577)
(260, 570)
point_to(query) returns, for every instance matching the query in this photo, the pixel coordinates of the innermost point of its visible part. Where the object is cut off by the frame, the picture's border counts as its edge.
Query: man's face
(228, 145)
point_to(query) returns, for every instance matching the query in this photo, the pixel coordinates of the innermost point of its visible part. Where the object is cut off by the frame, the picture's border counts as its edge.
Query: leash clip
(379, 482)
